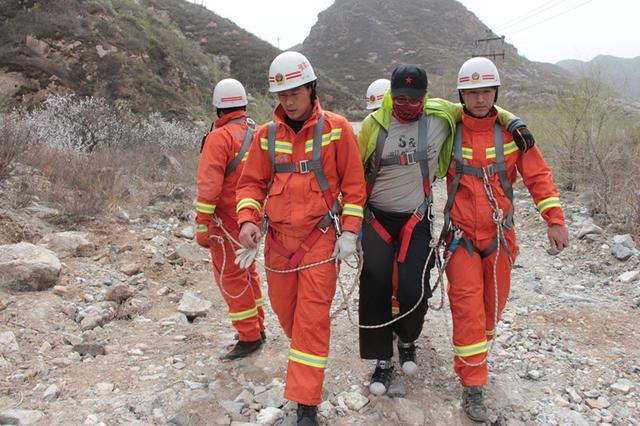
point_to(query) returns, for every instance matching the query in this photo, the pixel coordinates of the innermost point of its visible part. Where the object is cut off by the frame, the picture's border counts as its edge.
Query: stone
(574, 396)
(104, 388)
(354, 400)
(177, 318)
(168, 161)
(561, 402)
(193, 306)
(625, 240)
(91, 349)
(621, 252)
(570, 417)
(587, 229)
(573, 298)
(44, 348)
(27, 267)
(187, 232)
(60, 290)
(130, 268)
(37, 46)
(273, 397)
(599, 403)
(629, 276)
(327, 410)
(92, 320)
(119, 293)
(409, 412)
(68, 244)
(71, 339)
(232, 406)
(8, 343)
(184, 418)
(51, 393)
(190, 252)
(20, 417)
(244, 396)
(270, 416)
(622, 386)
(534, 374)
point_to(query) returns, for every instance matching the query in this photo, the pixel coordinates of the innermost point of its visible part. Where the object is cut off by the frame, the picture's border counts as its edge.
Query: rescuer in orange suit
(479, 219)
(222, 159)
(303, 161)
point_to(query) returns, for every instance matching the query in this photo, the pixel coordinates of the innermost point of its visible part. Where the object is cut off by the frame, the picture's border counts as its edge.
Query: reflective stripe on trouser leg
(466, 297)
(302, 301)
(242, 311)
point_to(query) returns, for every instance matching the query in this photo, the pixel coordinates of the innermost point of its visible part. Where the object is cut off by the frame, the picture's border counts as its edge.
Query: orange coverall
(216, 197)
(471, 284)
(302, 299)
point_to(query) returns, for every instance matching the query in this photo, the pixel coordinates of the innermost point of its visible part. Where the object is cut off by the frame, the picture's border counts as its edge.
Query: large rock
(621, 252)
(27, 267)
(20, 417)
(625, 240)
(193, 305)
(270, 416)
(8, 343)
(71, 243)
(629, 276)
(589, 229)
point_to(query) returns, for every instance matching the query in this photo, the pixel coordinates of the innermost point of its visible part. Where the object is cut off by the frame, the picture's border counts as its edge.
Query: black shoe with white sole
(382, 376)
(407, 356)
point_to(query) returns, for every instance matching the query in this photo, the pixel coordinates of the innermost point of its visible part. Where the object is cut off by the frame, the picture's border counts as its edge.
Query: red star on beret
(408, 80)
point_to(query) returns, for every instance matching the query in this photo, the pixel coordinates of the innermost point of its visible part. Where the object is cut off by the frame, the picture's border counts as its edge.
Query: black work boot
(381, 377)
(473, 404)
(407, 356)
(243, 349)
(263, 336)
(307, 415)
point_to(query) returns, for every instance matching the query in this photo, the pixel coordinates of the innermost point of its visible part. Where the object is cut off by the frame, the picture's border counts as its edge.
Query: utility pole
(490, 47)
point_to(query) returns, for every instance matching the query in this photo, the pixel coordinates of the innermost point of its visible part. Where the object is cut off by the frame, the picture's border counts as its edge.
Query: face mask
(407, 113)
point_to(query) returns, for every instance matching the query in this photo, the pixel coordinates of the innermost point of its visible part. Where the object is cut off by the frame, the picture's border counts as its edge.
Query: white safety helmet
(476, 73)
(229, 93)
(290, 70)
(376, 91)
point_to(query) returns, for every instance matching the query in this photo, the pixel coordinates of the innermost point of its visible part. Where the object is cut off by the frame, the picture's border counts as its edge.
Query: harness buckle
(418, 214)
(410, 157)
(303, 166)
(490, 170)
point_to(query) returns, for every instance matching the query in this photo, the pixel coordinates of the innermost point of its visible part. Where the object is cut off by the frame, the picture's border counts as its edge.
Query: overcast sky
(541, 30)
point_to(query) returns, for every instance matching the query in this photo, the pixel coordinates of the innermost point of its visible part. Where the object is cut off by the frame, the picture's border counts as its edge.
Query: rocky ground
(118, 321)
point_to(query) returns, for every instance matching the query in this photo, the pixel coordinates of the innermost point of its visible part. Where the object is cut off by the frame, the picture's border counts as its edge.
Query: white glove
(345, 245)
(245, 256)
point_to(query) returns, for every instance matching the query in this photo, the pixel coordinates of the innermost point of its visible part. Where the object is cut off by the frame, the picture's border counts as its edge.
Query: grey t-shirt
(399, 188)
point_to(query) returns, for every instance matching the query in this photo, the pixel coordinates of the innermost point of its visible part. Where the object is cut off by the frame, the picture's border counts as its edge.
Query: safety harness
(404, 159)
(303, 167)
(498, 168)
(246, 142)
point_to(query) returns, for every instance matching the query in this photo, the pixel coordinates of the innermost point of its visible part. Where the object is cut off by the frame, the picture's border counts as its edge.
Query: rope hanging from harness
(502, 223)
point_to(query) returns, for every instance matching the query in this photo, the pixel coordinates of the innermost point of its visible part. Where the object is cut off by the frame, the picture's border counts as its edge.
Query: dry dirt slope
(566, 353)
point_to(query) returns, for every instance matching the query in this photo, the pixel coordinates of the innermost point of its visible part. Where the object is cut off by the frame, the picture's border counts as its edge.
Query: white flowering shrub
(84, 124)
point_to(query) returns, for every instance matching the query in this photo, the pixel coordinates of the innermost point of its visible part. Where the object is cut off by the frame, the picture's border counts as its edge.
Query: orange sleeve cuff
(249, 215)
(351, 224)
(554, 216)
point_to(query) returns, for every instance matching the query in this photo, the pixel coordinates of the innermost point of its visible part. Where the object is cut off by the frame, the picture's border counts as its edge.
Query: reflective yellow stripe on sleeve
(352, 210)
(259, 302)
(327, 138)
(201, 228)
(467, 153)
(547, 203)
(205, 208)
(239, 316)
(248, 202)
(470, 350)
(307, 359)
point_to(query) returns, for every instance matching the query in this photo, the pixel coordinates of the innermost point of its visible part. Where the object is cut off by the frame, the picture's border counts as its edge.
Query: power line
(550, 18)
(532, 13)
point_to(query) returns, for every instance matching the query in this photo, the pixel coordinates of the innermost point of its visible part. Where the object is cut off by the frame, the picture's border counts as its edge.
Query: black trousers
(376, 284)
